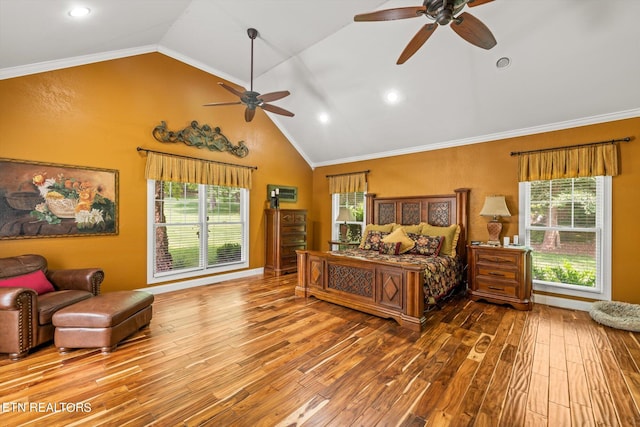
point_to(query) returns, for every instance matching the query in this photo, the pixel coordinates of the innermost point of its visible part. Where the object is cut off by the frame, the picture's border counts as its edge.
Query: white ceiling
(574, 62)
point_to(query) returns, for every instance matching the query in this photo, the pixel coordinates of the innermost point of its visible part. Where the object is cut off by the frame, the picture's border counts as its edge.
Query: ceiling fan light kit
(252, 99)
(441, 12)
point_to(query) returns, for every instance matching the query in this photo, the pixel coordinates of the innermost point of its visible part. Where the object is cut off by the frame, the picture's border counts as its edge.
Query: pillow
(400, 236)
(390, 248)
(373, 240)
(36, 281)
(450, 233)
(409, 228)
(426, 245)
(373, 227)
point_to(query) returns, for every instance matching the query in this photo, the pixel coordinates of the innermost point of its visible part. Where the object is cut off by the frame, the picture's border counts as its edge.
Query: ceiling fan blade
(416, 42)
(232, 90)
(472, 3)
(249, 113)
(472, 30)
(274, 96)
(391, 14)
(215, 104)
(277, 110)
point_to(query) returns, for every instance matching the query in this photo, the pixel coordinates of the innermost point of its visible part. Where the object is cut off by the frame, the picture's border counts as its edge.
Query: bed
(398, 287)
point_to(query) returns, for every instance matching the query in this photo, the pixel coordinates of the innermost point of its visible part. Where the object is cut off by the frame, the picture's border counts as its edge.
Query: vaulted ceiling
(573, 62)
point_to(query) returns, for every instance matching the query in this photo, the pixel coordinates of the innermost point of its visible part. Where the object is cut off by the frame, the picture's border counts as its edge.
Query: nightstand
(500, 275)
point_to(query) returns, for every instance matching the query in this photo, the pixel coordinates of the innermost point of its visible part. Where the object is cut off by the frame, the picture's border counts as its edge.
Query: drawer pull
(496, 288)
(496, 273)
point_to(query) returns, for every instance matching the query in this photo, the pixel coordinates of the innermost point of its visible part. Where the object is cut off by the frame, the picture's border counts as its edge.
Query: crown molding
(41, 67)
(585, 121)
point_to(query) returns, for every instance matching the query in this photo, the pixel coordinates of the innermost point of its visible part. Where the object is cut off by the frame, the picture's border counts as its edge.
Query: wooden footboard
(386, 289)
(389, 290)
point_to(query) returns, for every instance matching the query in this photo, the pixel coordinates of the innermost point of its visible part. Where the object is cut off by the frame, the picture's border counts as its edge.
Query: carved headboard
(441, 211)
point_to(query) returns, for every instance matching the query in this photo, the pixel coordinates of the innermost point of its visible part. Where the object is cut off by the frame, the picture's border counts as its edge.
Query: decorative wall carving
(198, 136)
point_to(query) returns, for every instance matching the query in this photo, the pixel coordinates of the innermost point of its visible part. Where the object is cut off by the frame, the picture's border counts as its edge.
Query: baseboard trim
(570, 304)
(209, 280)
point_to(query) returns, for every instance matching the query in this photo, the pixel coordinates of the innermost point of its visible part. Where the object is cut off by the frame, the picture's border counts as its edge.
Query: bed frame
(386, 289)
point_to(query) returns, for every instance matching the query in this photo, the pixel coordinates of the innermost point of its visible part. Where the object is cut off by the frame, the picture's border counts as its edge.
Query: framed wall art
(54, 200)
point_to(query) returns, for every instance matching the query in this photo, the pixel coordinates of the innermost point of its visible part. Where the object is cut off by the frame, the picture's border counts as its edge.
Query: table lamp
(344, 215)
(494, 206)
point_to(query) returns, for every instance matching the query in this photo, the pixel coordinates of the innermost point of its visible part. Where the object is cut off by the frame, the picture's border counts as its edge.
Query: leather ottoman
(102, 321)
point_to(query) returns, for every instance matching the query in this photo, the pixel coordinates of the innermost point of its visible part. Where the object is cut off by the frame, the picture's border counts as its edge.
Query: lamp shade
(345, 214)
(495, 206)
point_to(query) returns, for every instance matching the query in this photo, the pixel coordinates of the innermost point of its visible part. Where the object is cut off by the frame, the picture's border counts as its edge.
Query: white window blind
(354, 202)
(196, 229)
(564, 223)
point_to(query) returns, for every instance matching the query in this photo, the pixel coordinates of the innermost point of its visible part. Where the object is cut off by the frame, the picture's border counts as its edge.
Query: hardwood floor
(249, 353)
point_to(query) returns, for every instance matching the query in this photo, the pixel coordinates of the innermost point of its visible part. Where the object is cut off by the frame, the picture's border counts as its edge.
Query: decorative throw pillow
(409, 228)
(373, 240)
(386, 228)
(390, 248)
(450, 233)
(426, 245)
(399, 235)
(35, 280)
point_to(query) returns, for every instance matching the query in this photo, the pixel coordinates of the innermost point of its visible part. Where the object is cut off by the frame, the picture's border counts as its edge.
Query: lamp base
(494, 227)
(343, 232)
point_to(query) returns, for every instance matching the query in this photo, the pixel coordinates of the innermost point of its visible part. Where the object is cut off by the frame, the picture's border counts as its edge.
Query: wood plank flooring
(249, 353)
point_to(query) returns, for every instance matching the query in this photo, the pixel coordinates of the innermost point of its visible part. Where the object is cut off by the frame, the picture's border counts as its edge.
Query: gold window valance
(171, 167)
(348, 182)
(595, 159)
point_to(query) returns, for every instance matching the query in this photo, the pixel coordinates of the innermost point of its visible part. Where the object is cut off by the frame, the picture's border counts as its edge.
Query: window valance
(172, 167)
(593, 159)
(348, 182)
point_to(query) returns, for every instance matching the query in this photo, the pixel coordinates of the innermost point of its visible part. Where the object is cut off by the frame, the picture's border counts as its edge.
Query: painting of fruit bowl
(53, 200)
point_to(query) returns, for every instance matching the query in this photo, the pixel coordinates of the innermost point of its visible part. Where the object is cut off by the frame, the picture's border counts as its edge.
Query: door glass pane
(177, 226)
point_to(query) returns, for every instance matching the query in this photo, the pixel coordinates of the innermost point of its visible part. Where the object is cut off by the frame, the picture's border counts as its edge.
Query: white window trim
(604, 292)
(192, 272)
(335, 209)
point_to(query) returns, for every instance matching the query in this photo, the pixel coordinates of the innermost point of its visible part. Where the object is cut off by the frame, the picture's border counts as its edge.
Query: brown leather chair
(25, 316)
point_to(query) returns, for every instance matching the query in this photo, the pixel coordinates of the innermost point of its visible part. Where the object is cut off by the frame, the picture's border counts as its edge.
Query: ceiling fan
(442, 12)
(252, 99)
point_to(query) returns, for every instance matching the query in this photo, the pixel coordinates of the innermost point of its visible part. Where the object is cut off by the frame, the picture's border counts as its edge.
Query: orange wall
(488, 169)
(96, 115)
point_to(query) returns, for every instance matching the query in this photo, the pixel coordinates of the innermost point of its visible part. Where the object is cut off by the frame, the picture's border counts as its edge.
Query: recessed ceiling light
(503, 62)
(392, 97)
(323, 118)
(79, 12)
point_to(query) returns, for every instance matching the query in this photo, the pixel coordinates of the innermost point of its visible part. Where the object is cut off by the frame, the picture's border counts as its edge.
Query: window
(567, 223)
(354, 204)
(195, 229)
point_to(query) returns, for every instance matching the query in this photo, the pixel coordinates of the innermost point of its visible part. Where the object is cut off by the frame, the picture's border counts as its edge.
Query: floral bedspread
(441, 273)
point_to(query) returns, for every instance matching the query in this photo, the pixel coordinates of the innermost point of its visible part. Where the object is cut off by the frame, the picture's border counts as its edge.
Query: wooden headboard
(441, 211)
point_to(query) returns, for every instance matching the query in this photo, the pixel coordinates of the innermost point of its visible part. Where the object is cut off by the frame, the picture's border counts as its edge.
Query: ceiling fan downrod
(253, 33)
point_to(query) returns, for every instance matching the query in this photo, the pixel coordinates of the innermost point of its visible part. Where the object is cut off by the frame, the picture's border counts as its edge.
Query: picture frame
(39, 199)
